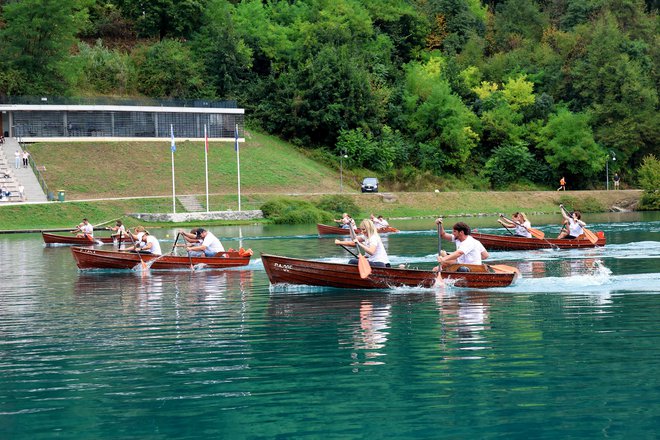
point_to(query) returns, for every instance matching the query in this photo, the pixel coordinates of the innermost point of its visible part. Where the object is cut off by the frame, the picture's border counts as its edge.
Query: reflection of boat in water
(285, 270)
(79, 241)
(87, 258)
(336, 230)
(511, 242)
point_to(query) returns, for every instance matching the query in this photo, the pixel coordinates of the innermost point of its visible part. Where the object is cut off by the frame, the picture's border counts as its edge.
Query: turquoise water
(571, 351)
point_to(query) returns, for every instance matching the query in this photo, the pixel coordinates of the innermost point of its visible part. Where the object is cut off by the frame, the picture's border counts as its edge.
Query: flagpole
(206, 163)
(173, 148)
(238, 165)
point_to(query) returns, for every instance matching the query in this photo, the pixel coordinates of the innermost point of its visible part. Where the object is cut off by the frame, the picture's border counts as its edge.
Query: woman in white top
(575, 224)
(520, 224)
(372, 245)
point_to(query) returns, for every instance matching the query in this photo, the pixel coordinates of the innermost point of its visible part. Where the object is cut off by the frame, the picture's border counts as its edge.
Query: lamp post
(341, 170)
(607, 169)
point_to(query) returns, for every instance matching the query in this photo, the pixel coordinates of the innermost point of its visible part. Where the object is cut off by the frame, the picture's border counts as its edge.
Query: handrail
(40, 177)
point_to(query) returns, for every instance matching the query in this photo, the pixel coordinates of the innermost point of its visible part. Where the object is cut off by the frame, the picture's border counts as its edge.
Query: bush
(289, 211)
(337, 204)
(649, 179)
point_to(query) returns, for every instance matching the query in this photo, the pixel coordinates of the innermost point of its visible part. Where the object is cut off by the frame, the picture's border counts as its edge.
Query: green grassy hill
(134, 169)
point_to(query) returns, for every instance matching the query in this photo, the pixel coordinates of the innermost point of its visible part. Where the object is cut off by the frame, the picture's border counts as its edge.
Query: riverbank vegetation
(465, 93)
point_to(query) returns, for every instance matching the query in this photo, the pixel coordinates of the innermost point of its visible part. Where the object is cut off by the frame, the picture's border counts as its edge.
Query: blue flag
(173, 144)
(236, 137)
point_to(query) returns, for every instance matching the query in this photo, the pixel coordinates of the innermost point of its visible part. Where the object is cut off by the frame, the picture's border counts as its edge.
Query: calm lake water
(571, 351)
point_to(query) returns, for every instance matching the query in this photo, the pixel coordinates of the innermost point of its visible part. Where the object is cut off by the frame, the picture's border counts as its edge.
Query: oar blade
(593, 238)
(536, 233)
(364, 267)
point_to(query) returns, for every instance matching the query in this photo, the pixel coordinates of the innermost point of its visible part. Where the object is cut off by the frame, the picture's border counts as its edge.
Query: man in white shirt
(468, 249)
(85, 229)
(210, 245)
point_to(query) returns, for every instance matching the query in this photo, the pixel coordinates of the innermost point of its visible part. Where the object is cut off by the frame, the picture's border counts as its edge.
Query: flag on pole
(173, 143)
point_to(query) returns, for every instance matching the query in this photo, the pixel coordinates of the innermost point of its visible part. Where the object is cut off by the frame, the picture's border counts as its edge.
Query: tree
(168, 69)
(226, 57)
(570, 147)
(36, 40)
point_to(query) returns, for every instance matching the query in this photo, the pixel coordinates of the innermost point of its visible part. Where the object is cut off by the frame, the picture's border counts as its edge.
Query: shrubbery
(649, 179)
(289, 211)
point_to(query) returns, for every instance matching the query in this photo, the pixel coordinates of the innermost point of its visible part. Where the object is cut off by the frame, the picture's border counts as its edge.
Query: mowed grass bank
(139, 169)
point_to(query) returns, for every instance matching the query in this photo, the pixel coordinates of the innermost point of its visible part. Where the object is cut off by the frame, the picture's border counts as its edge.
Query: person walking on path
(17, 159)
(616, 179)
(21, 192)
(562, 184)
(26, 159)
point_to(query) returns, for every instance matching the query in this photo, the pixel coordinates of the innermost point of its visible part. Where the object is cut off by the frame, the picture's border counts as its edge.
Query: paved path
(25, 176)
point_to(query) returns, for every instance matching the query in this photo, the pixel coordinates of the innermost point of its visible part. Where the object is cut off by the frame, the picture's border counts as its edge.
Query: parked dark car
(370, 184)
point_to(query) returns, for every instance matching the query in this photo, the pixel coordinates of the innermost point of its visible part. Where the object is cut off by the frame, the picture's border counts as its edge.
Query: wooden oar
(135, 248)
(438, 280)
(175, 241)
(593, 238)
(535, 232)
(105, 223)
(364, 268)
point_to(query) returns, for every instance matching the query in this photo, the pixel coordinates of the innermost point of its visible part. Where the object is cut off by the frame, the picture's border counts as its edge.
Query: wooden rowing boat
(285, 270)
(79, 241)
(336, 230)
(90, 258)
(511, 242)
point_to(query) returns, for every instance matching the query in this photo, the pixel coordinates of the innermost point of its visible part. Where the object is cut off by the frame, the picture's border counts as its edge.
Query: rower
(85, 230)
(469, 250)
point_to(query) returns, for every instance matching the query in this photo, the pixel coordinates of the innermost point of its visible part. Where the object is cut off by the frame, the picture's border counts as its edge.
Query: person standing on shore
(17, 159)
(26, 158)
(616, 179)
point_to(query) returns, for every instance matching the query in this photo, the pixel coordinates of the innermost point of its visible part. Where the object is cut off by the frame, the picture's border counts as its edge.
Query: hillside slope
(138, 169)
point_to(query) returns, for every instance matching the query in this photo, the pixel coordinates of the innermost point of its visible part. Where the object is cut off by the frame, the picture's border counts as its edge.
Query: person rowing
(209, 247)
(519, 222)
(84, 230)
(574, 222)
(147, 244)
(118, 229)
(191, 237)
(469, 250)
(346, 221)
(371, 243)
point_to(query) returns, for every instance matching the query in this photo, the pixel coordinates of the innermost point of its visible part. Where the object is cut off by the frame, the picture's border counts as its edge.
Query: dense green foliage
(649, 179)
(291, 211)
(491, 93)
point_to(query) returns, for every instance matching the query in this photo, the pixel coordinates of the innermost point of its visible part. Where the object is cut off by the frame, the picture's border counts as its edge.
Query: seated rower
(520, 224)
(192, 236)
(209, 247)
(118, 229)
(575, 224)
(148, 244)
(383, 223)
(372, 245)
(469, 250)
(84, 229)
(346, 221)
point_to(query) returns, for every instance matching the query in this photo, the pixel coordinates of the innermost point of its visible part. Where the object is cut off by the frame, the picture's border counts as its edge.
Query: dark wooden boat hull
(285, 270)
(336, 230)
(511, 243)
(79, 241)
(90, 258)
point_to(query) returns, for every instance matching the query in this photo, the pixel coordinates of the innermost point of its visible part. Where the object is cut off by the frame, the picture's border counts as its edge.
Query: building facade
(48, 119)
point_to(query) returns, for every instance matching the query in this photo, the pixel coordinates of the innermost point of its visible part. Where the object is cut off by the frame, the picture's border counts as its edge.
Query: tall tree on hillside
(36, 40)
(614, 79)
(218, 45)
(444, 129)
(570, 148)
(163, 18)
